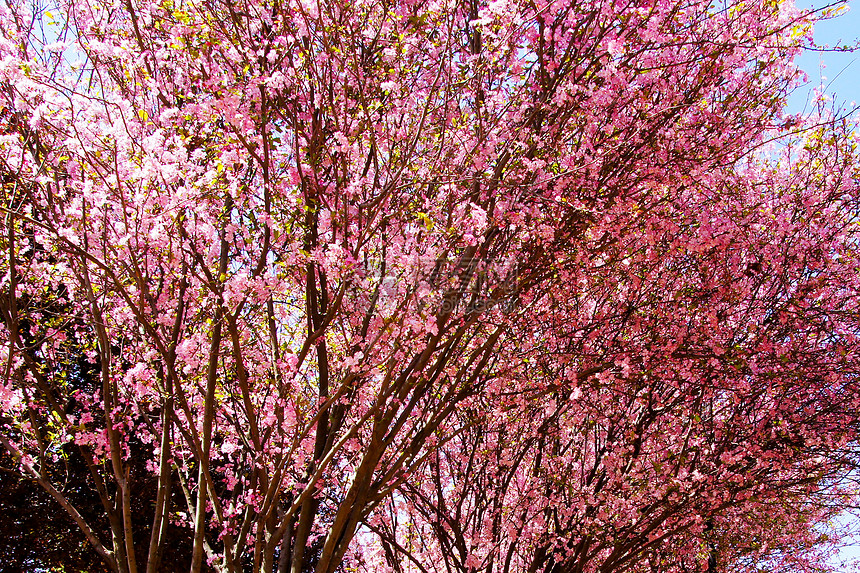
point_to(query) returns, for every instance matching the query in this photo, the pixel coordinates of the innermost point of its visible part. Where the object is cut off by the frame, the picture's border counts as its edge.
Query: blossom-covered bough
(426, 286)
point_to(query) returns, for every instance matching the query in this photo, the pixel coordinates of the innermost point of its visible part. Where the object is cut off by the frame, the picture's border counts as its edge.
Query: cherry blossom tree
(674, 424)
(393, 285)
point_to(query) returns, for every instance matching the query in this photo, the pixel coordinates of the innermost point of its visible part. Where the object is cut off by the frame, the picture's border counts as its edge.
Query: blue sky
(838, 72)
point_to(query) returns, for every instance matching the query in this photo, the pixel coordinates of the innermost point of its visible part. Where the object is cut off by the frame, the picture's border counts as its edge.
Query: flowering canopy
(440, 286)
